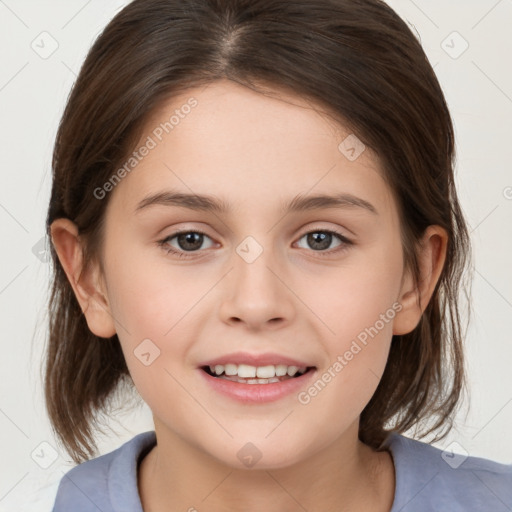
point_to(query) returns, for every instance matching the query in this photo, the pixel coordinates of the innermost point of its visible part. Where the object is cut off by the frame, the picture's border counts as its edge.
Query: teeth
(292, 370)
(250, 381)
(266, 372)
(281, 369)
(231, 369)
(253, 373)
(245, 371)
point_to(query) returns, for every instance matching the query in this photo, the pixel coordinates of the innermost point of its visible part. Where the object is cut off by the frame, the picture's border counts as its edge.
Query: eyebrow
(209, 203)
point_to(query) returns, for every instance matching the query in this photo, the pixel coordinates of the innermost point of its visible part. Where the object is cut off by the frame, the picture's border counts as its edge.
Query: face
(318, 286)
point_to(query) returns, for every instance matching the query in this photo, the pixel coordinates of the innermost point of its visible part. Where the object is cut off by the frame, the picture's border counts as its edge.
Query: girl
(255, 224)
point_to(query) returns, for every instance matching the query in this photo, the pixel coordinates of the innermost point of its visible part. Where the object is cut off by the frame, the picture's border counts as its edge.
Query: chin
(260, 455)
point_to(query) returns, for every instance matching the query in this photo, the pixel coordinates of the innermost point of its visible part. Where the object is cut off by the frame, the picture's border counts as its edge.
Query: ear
(88, 284)
(431, 258)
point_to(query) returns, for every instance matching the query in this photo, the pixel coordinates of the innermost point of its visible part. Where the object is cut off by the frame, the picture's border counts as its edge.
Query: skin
(254, 152)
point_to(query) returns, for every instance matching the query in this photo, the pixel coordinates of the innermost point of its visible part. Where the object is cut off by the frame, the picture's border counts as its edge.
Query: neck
(347, 475)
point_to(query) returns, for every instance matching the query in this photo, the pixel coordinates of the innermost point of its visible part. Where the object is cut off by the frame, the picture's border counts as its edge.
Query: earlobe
(86, 283)
(414, 300)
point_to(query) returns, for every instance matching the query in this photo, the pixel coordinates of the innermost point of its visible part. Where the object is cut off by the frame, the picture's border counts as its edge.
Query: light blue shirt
(427, 480)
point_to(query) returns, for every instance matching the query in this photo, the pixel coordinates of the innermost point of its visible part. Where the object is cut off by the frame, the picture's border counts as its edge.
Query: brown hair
(357, 59)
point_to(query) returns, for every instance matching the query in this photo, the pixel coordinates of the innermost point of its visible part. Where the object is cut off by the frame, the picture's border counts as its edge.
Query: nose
(256, 292)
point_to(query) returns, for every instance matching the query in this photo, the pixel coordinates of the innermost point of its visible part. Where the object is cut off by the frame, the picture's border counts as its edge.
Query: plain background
(33, 89)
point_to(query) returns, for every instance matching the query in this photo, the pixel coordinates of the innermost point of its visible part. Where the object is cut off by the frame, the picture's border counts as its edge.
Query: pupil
(188, 238)
(325, 239)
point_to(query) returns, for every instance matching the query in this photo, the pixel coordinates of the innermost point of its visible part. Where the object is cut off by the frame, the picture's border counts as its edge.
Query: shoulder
(108, 482)
(428, 479)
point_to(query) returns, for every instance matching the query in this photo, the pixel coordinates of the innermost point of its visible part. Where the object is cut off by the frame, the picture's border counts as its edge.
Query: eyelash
(181, 254)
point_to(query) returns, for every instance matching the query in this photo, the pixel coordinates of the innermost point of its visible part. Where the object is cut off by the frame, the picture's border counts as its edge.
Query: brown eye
(186, 241)
(189, 241)
(321, 239)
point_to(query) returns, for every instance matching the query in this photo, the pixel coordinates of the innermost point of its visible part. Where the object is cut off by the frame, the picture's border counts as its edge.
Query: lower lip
(258, 393)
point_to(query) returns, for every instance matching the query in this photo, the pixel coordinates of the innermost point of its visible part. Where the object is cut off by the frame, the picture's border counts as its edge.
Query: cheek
(154, 309)
(358, 354)
(357, 306)
(154, 299)
(354, 295)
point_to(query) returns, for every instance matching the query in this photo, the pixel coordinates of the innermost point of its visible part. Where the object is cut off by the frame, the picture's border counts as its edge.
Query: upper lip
(265, 359)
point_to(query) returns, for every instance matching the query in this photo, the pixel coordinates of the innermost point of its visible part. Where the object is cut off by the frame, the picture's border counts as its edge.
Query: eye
(188, 241)
(192, 240)
(321, 239)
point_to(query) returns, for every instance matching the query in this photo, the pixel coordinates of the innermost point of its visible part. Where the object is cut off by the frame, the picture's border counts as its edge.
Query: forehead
(252, 149)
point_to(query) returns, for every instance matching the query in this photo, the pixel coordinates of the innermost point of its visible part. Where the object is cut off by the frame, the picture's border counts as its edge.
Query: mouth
(246, 374)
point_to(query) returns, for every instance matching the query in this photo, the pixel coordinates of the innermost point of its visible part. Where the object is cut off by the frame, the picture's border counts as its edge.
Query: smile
(248, 374)
(248, 384)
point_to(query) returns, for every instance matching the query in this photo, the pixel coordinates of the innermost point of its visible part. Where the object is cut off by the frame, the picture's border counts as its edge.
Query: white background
(33, 90)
